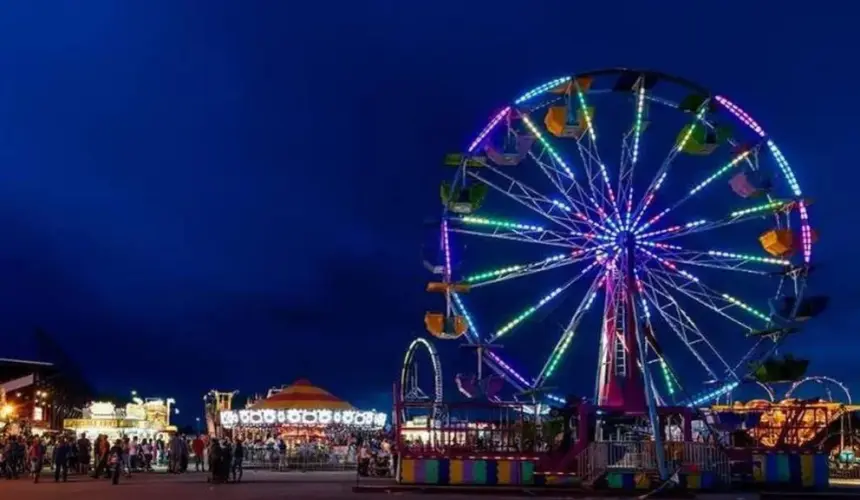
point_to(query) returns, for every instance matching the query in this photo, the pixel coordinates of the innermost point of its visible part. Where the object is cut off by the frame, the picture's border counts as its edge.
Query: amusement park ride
(715, 179)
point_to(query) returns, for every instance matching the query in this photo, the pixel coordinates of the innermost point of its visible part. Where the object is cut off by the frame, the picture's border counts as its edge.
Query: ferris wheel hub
(626, 238)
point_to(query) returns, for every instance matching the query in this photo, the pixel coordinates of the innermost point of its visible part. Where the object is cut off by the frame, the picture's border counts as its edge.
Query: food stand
(147, 419)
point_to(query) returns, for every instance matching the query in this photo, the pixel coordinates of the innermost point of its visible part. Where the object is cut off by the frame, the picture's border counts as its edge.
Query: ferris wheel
(659, 208)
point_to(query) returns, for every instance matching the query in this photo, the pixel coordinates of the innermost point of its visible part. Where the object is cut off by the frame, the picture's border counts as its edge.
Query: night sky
(213, 194)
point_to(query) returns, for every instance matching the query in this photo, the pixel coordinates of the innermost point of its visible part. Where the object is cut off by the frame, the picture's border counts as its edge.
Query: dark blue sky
(212, 194)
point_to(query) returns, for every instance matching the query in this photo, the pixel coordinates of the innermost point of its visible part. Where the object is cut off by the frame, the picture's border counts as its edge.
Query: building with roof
(40, 384)
(298, 412)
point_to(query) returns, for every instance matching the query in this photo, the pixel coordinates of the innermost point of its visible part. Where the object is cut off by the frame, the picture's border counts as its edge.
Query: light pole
(198, 425)
(170, 401)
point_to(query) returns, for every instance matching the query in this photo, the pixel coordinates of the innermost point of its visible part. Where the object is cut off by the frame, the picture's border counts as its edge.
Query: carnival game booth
(144, 419)
(313, 424)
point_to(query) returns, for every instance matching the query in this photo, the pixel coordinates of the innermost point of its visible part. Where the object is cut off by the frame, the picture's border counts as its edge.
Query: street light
(170, 401)
(198, 425)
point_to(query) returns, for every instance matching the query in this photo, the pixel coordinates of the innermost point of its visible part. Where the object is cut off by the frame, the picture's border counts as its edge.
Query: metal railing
(605, 456)
(310, 460)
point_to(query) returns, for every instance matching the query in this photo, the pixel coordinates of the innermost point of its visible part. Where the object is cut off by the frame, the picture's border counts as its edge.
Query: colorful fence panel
(445, 471)
(796, 470)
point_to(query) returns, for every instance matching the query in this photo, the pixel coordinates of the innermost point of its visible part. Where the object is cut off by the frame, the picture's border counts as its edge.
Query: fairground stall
(144, 419)
(312, 423)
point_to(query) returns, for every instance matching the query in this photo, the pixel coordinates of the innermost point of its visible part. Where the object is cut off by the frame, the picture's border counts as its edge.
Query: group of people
(29, 455)
(225, 460)
(22, 455)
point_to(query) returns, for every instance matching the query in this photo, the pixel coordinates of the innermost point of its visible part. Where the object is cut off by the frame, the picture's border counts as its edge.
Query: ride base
(484, 445)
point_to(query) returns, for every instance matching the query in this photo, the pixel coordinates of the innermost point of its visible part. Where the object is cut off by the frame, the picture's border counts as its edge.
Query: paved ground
(262, 485)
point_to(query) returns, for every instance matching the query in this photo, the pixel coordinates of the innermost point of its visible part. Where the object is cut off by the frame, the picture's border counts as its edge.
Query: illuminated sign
(102, 410)
(259, 418)
(135, 412)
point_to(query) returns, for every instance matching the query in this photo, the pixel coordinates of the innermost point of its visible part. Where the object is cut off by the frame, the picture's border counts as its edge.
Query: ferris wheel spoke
(653, 352)
(584, 208)
(689, 285)
(587, 146)
(737, 160)
(512, 231)
(528, 197)
(493, 360)
(716, 259)
(704, 225)
(559, 173)
(630, 145)
(521, 270)
(563, 343)
(510, 325)
(682, 324)
(663, 172)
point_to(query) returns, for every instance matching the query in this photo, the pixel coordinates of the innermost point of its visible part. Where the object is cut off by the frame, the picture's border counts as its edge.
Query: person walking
(102, 450)
(116, 460)
(238, 457)
(198, 448)
(84, 454)
(36, 457)
(62, 451)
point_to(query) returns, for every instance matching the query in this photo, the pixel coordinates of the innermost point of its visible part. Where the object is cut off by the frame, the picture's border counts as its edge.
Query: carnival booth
(299, 413)
(149, 419)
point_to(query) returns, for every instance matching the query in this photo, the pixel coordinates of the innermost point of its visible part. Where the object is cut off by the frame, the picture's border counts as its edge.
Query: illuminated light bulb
(663, 246)
(725, 168)
(637, 131)
(714, 394)
(763, 260)
(582, 104)
(785, 167)
(541, 89)
(447, 248)
(525, 314)
(767, 207)
(667, 377)
(489, 128)
(514, 268)
(567, 337)
(747, 308)
(741, 115)
(533, 309)
(805, 232)
(555, 156)
(483, 221)
(671, 265)
(562, 206)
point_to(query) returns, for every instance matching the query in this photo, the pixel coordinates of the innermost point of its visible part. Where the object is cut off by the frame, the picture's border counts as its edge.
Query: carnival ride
(637, 247)
(410, 388)
(790, 423)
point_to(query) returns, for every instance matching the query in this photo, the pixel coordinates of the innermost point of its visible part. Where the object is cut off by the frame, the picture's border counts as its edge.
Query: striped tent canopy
(302, 395)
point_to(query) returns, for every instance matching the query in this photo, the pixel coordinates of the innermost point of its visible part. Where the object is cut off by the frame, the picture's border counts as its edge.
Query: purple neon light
(447, 249)
(489, 128)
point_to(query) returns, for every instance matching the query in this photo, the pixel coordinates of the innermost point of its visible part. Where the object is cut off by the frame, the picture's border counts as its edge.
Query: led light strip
(489, 128)
(533, 309)
(484, 221)
(487, 275)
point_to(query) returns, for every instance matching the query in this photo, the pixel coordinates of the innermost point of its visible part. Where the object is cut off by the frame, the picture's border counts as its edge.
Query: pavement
(256, 485)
